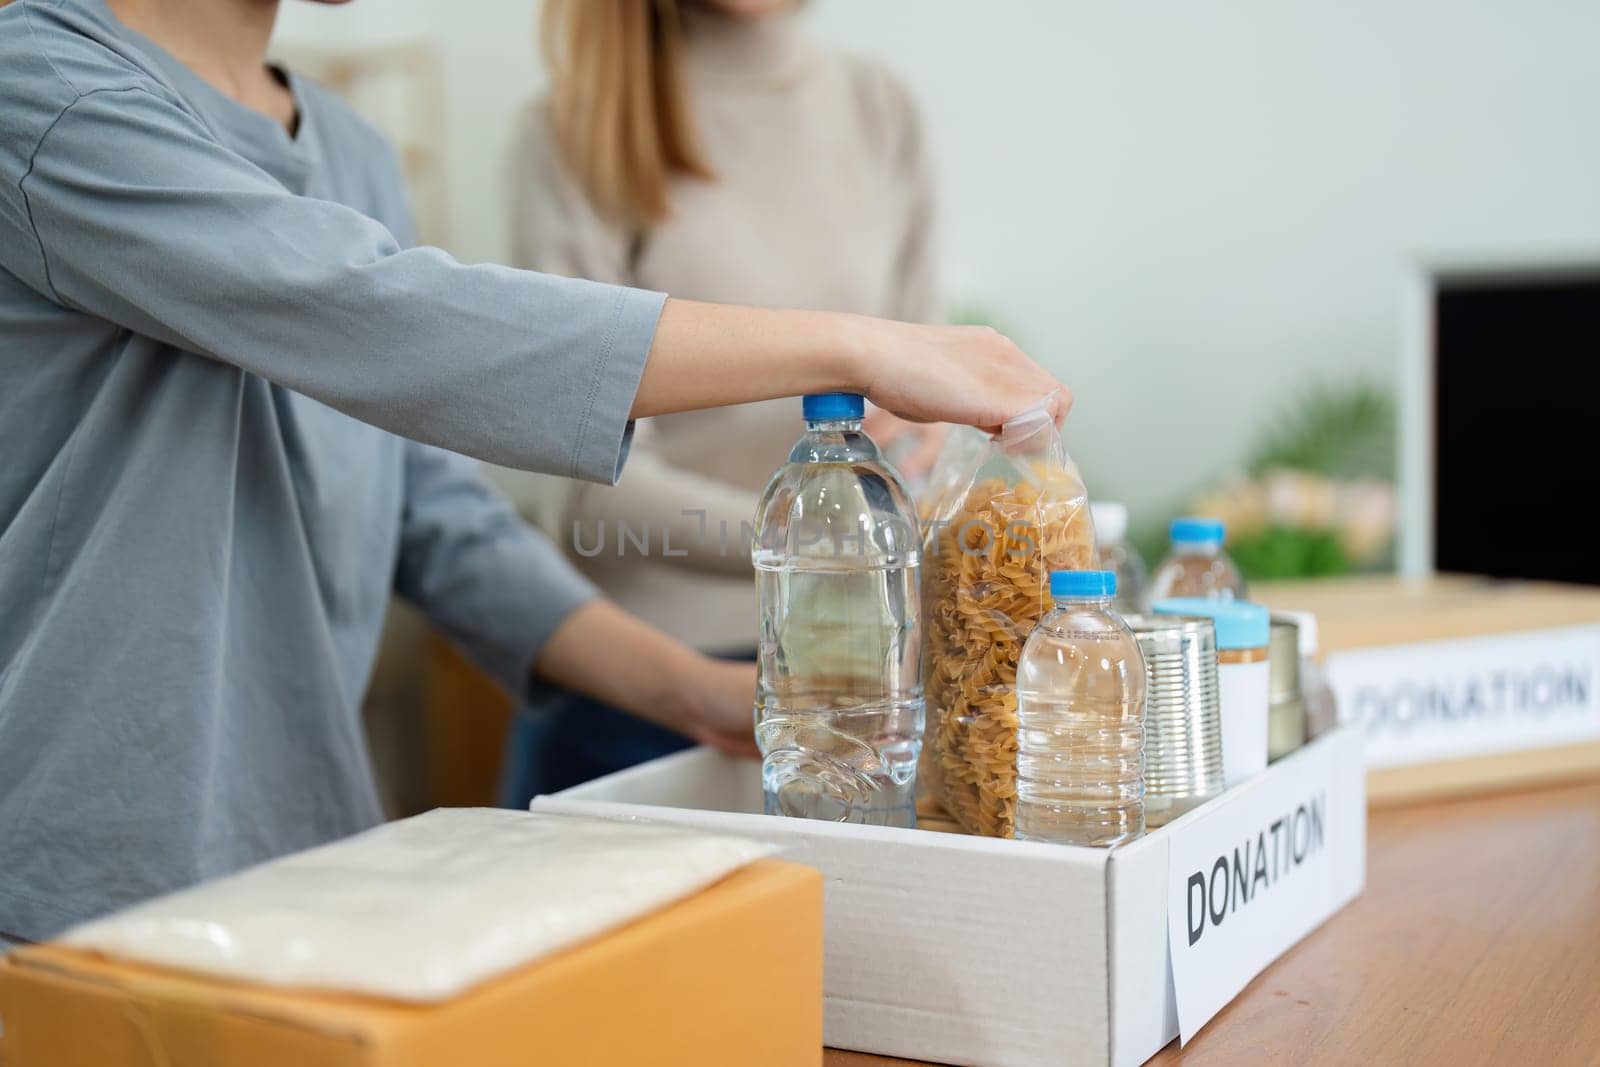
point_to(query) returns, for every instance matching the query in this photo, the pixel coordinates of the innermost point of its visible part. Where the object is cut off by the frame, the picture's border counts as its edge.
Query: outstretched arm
(707, 355)
(129, 209)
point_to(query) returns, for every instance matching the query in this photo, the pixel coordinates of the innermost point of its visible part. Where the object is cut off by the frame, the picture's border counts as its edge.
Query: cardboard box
(971, 950)
(731, 975)
(1460, 684)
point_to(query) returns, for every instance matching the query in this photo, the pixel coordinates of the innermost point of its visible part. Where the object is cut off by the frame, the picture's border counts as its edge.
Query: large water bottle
(1080, 719)
(839, 693)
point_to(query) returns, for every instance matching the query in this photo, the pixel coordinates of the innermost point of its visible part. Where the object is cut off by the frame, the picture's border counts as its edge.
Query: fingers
(742, 746)
(1060, 403)
(960, 374)
(1025, 384)
(1043, 385)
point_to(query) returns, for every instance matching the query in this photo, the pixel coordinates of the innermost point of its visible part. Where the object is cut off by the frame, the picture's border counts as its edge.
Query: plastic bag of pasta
(952, 470)
(1019, 512)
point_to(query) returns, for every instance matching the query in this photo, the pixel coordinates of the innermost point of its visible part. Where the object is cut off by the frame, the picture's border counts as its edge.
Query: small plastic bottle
(1119, 557)
(1197, 565)
(1080, 720)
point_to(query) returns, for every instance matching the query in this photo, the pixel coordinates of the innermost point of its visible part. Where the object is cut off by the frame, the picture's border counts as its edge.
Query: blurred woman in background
(712, 149)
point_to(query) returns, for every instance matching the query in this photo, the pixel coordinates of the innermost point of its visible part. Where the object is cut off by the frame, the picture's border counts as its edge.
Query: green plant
(1338, 431)
(1316, 497)
(1289, 552)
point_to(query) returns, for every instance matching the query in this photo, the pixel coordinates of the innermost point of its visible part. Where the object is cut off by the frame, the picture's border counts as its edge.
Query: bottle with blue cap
(837, 551)
(1080, 719)
(1114, 553)
(1197, 565)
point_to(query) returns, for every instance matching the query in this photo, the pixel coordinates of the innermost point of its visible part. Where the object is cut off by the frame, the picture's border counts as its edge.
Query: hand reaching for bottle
(961, 374)
(707, 355)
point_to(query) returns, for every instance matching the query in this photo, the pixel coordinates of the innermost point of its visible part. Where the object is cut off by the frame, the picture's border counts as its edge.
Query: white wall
(1187, 209)
(491, 68)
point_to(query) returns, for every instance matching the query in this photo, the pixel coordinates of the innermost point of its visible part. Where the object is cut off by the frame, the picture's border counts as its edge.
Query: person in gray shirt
(236, 406)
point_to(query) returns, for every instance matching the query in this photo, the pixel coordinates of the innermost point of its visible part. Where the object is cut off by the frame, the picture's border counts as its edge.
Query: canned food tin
(1286, 722)
(1182, 718)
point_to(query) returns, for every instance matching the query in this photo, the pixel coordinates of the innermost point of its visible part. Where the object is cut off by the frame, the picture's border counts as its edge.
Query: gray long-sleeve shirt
(211, 334)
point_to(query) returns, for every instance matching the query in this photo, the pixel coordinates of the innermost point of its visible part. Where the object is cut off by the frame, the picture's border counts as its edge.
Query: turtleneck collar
(767, 52)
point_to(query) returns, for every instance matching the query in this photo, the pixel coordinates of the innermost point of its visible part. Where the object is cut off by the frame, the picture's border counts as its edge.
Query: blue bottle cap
(823, 407)
(1082, 585)
(1198, 529)
(1240, 624)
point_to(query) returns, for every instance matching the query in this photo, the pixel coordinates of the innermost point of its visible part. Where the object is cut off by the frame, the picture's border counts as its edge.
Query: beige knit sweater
(822, 200)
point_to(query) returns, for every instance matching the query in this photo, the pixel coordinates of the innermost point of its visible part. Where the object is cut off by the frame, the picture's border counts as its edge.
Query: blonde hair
(617, 103)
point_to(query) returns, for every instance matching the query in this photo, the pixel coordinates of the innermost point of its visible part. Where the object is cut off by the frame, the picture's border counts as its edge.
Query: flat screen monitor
(1516, 423)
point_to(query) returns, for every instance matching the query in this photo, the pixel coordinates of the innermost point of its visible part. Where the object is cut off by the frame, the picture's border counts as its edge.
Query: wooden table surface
(1477, 941)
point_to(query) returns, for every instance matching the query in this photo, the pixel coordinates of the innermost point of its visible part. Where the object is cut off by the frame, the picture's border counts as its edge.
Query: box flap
(1202, 906)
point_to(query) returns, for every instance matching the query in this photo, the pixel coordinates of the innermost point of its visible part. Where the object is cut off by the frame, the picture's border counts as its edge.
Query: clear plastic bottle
(1119, 557)
(1080, 720)
(839, 708)
(1197, 565)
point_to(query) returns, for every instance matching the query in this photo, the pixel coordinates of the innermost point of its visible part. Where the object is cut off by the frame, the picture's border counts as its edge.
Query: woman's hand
(706, 355)
(604, 652)
(716, 706)
(963, 374)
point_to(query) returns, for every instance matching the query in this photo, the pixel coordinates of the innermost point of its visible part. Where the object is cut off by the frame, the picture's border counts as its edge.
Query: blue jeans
(573, 739)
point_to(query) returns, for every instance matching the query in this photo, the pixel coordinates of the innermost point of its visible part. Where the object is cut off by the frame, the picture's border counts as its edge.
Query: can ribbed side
(1183, 720)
